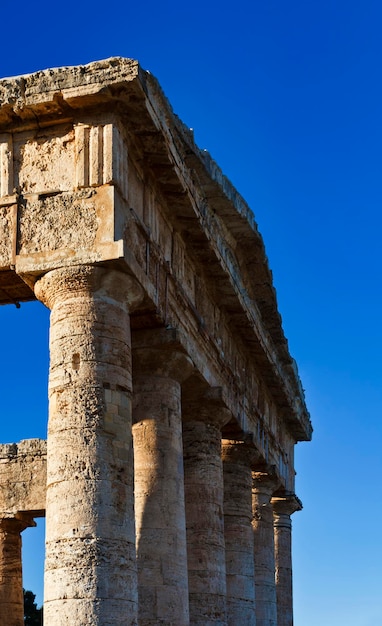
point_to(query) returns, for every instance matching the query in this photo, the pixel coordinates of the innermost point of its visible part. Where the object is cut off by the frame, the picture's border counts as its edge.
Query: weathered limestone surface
(161, 294)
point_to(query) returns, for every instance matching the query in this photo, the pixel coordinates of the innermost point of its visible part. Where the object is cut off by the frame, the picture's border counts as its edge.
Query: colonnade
(210, 541)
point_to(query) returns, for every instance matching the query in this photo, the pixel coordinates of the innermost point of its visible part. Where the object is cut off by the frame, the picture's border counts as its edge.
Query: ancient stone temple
(167, 478)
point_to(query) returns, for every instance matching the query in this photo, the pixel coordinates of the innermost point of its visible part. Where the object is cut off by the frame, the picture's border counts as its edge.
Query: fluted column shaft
(90, 566)
(264, 551)
(159, 488)
(11, 583)
(204, 494)
(237, 460)
(283, 507)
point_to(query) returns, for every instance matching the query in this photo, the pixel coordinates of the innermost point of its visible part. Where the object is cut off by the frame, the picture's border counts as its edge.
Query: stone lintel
(17, 522)
(23, 479)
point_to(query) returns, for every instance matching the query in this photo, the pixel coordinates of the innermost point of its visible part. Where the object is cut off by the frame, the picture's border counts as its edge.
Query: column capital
(265, 478)
(285, 504)
(80, 280)
(159, 352)
(16, 523)
(205, 405)
(236, 451)
(264, 484)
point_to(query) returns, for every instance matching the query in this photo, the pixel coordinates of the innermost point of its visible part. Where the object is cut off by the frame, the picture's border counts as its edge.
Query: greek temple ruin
(167, 478)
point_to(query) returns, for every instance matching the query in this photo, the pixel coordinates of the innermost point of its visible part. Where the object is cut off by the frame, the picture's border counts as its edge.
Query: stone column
(203, 419)
(283, 507)
(90, 565)
(263, 486)
(11, 582)
(159, 486)
(238, 457)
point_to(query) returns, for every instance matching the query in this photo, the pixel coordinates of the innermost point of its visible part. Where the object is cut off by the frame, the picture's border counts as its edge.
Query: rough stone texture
(72, 218)
(283, 507)
(112, 216)
(89, 519)
(45, 158)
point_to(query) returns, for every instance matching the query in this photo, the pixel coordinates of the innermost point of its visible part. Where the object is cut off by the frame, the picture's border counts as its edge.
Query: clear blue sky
(287, 97)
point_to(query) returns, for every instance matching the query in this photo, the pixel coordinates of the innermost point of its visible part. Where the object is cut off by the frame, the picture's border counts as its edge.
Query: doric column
(238, 457)
(203, 418)
(263, 486)
(159, 485)
(11, 583)
(90, 565)
(283, 507)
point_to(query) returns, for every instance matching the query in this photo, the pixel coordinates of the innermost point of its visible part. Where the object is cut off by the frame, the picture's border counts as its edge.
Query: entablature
(96, 168)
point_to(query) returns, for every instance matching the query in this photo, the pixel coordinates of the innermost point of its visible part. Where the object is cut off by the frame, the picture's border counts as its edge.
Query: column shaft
(11, 584)
(159, 493)
(90, 566)
(237, 458)
(204, 492)
(283, 507)
(264, 551)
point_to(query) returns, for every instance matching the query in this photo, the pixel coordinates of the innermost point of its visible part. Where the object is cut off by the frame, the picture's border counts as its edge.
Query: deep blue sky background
(287, 98)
